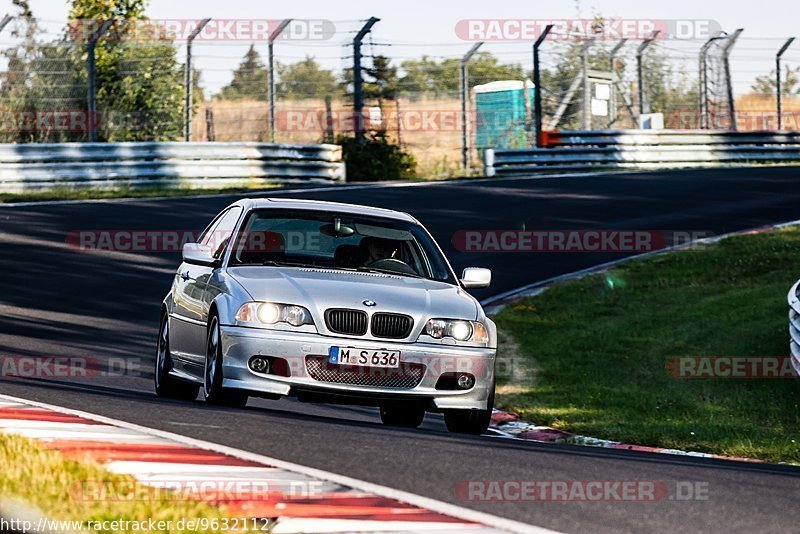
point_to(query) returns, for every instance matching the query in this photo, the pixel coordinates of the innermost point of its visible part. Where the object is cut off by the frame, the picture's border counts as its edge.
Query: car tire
(166, 385)
(474, 422)
(213, 392)
(402, 415)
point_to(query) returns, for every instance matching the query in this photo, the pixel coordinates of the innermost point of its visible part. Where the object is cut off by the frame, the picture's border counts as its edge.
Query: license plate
(389, 359)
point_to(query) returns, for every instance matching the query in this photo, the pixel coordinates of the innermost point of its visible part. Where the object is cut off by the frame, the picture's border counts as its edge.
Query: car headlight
(271, 313)
(457, 329)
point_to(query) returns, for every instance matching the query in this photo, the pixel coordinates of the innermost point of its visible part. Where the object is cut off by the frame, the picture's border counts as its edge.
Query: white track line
(433, 505)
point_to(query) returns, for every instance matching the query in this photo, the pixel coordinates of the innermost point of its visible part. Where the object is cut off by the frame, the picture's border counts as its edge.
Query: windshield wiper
(387, 271)
(273, 263)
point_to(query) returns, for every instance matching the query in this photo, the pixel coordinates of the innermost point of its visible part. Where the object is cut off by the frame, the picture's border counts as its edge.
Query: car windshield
(330, 240)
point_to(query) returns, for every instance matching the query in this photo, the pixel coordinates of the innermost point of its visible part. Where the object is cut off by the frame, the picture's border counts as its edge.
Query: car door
(189, 317)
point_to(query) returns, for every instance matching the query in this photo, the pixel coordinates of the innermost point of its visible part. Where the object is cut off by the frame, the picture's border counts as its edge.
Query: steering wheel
(393, 264)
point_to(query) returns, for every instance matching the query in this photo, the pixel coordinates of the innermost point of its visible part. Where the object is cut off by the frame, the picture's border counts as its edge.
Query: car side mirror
(476, 277)
(198, 254)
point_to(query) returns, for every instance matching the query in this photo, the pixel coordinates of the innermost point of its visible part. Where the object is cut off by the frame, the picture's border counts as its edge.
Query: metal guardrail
(794, 326)
(26, 167)
(669, 137)
(648, 149)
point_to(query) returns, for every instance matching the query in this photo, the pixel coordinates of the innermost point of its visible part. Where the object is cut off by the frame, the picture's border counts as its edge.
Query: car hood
(321, 289)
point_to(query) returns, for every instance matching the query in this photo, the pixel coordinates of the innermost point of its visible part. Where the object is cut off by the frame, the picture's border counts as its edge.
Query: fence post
(702, 85)
(328, 120)
(464, 94)
(702, 81)
(399, 122)
(3, 23)
(537, 90)
(587, 92)
(91, 96)
(640, 73)
(187, 105)
(611, 59)
(778, 88)
(726, 51)
(358, 90)
(210, 134)
(271, 75)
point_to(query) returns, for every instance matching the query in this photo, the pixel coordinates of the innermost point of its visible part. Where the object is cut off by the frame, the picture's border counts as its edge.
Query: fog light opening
(465, 381)
(259, 365)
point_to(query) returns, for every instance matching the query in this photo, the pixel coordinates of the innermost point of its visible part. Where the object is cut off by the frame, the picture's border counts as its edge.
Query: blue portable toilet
(502, 110)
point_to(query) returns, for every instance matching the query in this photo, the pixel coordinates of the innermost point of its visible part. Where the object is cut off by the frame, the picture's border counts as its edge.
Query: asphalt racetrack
(56, 300)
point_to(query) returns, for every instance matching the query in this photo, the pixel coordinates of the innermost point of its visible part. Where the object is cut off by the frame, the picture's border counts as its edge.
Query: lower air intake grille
(407, 376)
(351, 322)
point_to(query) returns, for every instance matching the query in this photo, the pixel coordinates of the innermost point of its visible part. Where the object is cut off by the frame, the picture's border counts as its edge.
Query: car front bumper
(240, 344)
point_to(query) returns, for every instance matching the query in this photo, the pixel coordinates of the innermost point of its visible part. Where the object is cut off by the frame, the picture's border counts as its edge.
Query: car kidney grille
(407, 376)
(391, 325)
(351, 322)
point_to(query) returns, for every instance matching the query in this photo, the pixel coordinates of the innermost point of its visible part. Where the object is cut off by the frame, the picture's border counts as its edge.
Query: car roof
(320, 205)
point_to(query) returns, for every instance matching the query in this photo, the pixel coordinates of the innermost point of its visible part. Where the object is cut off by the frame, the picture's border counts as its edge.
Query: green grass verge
(597, 350)
(60, 193)
(64, 489)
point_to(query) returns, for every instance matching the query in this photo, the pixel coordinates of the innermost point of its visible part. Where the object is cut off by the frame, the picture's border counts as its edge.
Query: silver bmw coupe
(327, 302)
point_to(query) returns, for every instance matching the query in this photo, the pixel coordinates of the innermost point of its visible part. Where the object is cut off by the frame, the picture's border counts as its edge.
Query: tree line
(140, 85)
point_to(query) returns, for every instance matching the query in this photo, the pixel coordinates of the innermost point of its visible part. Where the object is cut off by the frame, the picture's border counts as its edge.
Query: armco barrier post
(5, 21)
(726, 53)
(643, 106)
(612, 57)
(187, 105)
(271, 74)
(778, 88)
(537, 89)
(91, 83)
(702, 83)
(358, 90)
(587, 90)
(464, 96)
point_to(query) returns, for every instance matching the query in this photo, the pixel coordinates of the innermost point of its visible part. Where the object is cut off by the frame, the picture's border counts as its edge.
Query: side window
(208, 233)
(220, 235)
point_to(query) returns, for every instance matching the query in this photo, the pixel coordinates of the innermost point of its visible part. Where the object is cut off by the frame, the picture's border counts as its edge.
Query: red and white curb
(157, 458)
(510, 426)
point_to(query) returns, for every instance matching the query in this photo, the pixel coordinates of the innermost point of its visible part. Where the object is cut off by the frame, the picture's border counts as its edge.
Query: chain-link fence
(413, 91)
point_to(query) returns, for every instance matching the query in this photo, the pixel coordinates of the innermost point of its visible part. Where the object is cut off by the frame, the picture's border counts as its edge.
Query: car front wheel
(474, 422)
(213, 392)
(168, 386)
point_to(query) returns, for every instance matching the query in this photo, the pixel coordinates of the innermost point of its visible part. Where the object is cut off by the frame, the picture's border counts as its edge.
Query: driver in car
(376, 248)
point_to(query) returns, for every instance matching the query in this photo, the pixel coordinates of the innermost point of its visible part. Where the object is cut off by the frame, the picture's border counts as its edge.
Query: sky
(417, 27)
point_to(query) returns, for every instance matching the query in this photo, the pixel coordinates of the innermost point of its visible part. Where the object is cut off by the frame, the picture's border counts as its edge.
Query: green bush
(376, 159)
